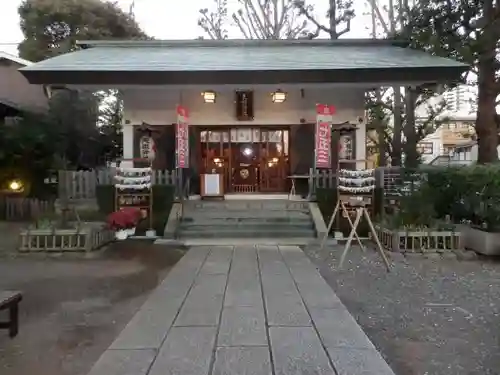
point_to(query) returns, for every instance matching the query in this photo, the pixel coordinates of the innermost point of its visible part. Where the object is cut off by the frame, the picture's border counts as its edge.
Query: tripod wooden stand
(352, 189)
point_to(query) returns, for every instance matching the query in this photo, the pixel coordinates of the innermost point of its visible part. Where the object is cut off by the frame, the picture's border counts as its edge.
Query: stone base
(481, 242)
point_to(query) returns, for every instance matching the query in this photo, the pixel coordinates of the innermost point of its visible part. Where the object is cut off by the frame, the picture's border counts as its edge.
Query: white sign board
(212, 186)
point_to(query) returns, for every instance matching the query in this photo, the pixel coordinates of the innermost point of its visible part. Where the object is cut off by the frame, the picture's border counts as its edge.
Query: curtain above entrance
(241, 135)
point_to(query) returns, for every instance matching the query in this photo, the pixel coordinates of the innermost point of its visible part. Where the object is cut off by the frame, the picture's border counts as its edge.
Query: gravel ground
(427, 317)
(74, 308)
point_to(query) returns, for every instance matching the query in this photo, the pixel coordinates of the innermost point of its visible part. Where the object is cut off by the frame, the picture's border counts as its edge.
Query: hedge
(163, 198)
(463, 194)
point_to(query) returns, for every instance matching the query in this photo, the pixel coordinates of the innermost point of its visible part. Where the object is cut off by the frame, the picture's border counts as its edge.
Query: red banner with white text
(323, 136)
(182, 138)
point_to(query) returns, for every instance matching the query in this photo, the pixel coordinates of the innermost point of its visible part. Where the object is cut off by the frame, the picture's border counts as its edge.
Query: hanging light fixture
(278, 96)
(208, 96)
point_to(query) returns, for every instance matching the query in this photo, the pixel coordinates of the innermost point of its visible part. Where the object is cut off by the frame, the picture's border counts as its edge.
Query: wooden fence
(82, 184)
(393, 180)
(24, 209)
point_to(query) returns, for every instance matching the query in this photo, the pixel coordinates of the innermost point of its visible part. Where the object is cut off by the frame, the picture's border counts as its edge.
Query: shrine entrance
(251, 160)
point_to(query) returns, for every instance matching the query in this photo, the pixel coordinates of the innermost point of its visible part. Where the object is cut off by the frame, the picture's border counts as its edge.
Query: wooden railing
(24, 209)
(82, 184)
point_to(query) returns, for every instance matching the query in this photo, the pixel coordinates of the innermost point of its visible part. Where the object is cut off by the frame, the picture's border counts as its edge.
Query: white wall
(437, 145)
(156, 106)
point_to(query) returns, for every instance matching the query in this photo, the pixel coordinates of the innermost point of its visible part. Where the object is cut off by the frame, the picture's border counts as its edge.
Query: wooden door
(245, 167)
(216, 153)
(273, 160)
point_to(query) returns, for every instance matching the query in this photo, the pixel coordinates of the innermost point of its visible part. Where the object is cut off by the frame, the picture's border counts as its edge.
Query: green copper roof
(237, 55)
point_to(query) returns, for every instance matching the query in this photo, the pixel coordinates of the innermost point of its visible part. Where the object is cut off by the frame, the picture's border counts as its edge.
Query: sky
(159, 20)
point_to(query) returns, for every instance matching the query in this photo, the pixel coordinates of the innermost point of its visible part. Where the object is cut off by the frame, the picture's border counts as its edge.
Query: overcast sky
(159, 20)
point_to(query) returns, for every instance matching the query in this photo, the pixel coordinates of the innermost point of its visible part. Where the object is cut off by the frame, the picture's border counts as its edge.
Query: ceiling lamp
(208, 96)
(278, 96)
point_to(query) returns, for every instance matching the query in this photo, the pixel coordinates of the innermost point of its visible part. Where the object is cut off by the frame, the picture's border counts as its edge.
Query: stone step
(245, 226)
(240, 233)
(247, 212)
(243, 205)
(246, 215)
(265, 220)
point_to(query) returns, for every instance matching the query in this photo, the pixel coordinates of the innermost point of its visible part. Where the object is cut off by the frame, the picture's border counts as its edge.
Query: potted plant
(481, 223)
(124, 222)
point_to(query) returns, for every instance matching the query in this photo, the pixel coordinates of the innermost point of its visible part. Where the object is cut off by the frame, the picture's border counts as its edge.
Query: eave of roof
(242, 61)
(16, 59)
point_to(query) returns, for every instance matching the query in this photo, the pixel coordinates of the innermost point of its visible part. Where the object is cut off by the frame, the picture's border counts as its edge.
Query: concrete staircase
(246, 219)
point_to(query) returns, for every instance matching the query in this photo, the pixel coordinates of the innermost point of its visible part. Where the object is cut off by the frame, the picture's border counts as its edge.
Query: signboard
(147, 147)
(182, 138)
(323, 136)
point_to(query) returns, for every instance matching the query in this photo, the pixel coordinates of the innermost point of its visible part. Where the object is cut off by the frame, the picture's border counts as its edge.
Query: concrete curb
(317, 218)
(173, 221)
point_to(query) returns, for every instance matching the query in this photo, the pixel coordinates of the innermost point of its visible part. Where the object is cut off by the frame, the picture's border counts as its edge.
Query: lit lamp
(15, 186)
(278, 96)
(208, 96)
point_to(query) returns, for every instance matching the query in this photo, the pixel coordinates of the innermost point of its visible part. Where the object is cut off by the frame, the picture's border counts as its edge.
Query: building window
(425, 148)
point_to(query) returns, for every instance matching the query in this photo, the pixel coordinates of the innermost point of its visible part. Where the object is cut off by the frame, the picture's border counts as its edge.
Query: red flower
(126, 218)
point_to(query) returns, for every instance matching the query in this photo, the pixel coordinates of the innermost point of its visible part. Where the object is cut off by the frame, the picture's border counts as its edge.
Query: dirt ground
(73, 308)
(427, 317)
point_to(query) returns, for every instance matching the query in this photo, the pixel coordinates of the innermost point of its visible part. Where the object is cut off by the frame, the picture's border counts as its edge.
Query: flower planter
(130, 231)
(151, 233)
(418, 241)
(486, 243)
(121, 235)
(86, 238)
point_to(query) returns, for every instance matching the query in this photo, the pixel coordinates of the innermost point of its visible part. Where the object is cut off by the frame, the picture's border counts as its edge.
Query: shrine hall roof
(207, 61)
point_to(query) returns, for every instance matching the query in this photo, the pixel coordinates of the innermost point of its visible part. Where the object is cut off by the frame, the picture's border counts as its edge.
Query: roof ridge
(239, 43)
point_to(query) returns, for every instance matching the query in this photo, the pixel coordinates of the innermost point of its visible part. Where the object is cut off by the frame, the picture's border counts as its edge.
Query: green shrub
(105, 196)
(470, 194)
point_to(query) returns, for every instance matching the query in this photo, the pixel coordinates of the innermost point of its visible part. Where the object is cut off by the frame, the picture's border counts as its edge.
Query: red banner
(323, 149)
(182, 138)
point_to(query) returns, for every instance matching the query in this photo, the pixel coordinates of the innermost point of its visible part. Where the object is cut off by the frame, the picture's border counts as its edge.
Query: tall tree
(469, 31)
(391, 19)
(255, 19)
(380, 108)
(51, 28)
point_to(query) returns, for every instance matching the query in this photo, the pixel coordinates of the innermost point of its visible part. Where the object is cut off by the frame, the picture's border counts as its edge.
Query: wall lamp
(278, 96)
(208, 96)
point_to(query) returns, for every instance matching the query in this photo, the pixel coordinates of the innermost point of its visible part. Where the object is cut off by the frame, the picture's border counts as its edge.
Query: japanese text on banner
(182, 138)
(323, 149)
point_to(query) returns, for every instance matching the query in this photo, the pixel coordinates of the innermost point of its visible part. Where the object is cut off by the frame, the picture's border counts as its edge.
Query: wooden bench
(10, 301)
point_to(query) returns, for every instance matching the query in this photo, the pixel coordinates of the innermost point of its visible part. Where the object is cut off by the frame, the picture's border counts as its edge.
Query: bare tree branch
(339, 13)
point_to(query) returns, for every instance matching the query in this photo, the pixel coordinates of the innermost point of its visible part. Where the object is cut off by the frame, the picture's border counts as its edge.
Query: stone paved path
(242, 310)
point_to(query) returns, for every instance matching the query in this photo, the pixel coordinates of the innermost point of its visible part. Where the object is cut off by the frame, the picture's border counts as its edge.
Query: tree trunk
(486, 129)
(397, 127)
(411, 154)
